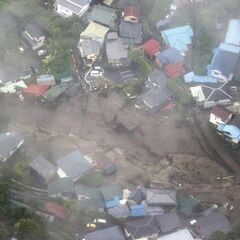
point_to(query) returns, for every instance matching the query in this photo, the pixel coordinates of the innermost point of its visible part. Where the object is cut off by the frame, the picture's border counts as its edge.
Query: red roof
(36, 90)
(168, 107)
(173, 70)
(131, 11)
(151, 47)
(55, 209)
(221, 112)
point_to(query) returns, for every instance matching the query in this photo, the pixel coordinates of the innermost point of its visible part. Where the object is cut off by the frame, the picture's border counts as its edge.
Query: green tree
(18, 213)
(4, 234)
(218, 235)
(4, 194)
(26, 228)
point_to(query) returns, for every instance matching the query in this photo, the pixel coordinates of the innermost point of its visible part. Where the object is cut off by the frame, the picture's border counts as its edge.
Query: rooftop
(74, 164)
(151, 47)
(170, 55)
(233, 32)
(178, 235)
(221, 112)
(55, 209)
(36, 90)
(73, 5)
(161, 197)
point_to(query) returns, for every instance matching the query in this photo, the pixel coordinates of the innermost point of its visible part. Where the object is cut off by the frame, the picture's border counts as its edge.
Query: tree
(218, 235)
(26, 228)
(18, 213)
(4, 194)
(4, 234)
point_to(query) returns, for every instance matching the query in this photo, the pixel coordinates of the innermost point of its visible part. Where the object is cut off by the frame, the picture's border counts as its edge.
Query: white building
(68, 8)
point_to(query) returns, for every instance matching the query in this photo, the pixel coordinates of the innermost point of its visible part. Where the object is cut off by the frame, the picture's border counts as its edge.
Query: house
(156, 94)
(187, 204)
(117, 53)
(230, 131)
(95, 31)
(42, 169)
(103, 15)
(34, 35)
(178, 235)
(192, 78)
(35, 90)
(54, 92)
(168, 222)
(68, 8)
(89, 50)
(45, 79)
(55, 210)
(90, 198)
(131, 14)
(112, 195)
(73, 165)
(179, 38)
(152, 210)
(120, 212)
(168, 56)
(220, 115)
(106, 234)
(156, 197)
(61, 188)
(206, 225)
(209, 95)
(142, 228)
(10, 142)
(151, 47)
(224, 62)
(126, 3)
(131, 33)
(233, 32)
(173, 70)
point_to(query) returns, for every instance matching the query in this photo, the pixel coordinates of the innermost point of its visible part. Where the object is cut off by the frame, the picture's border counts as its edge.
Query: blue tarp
(178, 37)
(229, 48)
(229, 130)
(137, 210)
(170, 55)
(191, 77)
(115, 202)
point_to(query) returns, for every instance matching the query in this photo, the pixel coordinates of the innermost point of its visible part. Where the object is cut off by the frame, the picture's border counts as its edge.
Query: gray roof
(151, 210)
(130, 32)
(103, 15)
(216, 91)
(34, 30)
(89, 47)
(9, 143)
(156, 94)
(62, 185)
(43, 167)
(73, 5)
(74, 164)
(106, 234)
(142, 227)
(168, 222)
(160, 197)
(170, 55)
(111, 191)
(137, 195)
(183, 234)
(122, 211)
(116, 50)
(214, 222)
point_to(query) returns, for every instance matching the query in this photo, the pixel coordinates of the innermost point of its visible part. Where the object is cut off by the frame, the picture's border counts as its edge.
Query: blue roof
(229, 130)
(115, 202)
(170, 55)
(233, 32)
(225, 60)
(178, 37)
(191, 77)
(137, 210)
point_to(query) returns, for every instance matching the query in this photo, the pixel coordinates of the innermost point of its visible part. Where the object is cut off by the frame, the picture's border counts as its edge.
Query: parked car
(41, 52)
(100, 221)
(96, 73)
(91, 225)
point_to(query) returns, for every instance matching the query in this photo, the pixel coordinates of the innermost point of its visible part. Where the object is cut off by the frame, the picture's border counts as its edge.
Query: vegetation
(233, 235)
(180, 95)
(92, 180)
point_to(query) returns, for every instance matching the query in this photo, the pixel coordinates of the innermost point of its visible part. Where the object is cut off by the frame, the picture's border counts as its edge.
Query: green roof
(54, 92)
(103, 15)
(186, 203)
(111, 191)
